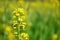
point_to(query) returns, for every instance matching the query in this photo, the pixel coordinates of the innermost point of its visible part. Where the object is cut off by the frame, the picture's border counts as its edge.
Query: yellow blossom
(14, 22)
(14, 27)
(20, 19)
(14, 16)
(55, 36)
(19, 11)
(10, 36)
(23, 26)
(17, 14)
(24, 36)
(8, 29)
(23, 23)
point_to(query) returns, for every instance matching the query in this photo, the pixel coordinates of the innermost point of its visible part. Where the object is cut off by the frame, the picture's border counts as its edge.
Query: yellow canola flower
(20, 19)
(8, 29)
(24, 36)
(14, 16)
(23, 26)
(14, 22)
(10, 36)
(14, 27)
(8, 33)
(17, 14)
(23, 23)
(18, 11)
(55, 36)
(21, 10)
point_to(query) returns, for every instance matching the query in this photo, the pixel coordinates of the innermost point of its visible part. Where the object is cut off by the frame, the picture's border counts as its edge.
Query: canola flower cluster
(19, 24)
(19, 16)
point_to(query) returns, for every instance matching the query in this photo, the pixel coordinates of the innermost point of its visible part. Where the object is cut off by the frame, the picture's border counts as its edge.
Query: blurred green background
(42, 19)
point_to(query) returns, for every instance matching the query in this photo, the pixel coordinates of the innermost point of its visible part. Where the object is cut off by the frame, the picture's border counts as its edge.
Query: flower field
(29, 19)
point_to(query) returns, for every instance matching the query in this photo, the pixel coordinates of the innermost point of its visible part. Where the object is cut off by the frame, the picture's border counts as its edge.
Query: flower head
(24, 36)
